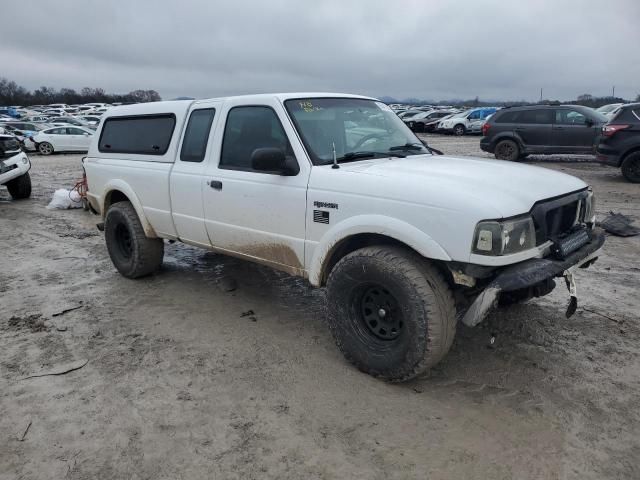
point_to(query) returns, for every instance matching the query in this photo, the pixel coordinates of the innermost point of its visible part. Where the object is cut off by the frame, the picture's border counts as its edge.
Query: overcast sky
(494, 49)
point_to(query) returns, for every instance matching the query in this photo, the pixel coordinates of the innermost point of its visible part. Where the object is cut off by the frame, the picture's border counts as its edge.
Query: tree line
(13, 94)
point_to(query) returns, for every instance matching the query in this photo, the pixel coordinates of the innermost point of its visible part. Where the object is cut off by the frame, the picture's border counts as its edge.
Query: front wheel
(45, 148)
(507, 150)
(459, 130)
(631, 167)
(391, 315)
(131, 251)
(20, 187)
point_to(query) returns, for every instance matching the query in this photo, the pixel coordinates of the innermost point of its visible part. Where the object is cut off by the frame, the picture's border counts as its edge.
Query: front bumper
(607, 155)
(529, 273)
(13, 167)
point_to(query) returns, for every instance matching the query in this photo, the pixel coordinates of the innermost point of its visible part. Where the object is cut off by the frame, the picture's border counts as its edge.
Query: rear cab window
(137, 134)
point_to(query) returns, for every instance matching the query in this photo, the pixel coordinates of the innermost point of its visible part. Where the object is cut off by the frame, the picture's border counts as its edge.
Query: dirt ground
(189, 378)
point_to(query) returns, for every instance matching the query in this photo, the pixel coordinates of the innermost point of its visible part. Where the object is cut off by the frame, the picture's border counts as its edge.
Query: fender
(508, 136)
(123, 187)
(377, 224)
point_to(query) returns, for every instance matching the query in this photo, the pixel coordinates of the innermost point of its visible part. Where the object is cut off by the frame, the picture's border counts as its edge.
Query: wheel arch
(629, 151)
(374, 230)
(508, 136)
(119, 191)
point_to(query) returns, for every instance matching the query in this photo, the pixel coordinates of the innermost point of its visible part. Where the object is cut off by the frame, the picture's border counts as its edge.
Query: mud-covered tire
(507, 150)
(133, 254)
(423, 310)
(631, 167)
(20, 187)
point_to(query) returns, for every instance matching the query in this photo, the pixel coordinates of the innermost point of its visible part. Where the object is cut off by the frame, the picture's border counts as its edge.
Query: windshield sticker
(309, 107)
(383, 107)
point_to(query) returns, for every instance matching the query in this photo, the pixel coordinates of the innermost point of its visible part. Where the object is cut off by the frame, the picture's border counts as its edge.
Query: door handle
(520, 129)
(215, 184)
(558, 128)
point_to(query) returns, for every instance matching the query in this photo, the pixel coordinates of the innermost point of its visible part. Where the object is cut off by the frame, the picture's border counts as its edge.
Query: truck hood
(462, 182)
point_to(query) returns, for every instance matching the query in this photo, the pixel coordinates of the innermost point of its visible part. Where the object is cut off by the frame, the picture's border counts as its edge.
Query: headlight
(504, 237)
(589, 215)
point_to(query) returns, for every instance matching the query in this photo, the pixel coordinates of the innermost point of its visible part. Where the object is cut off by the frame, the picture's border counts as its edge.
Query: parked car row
(52, 128)
(514, 133)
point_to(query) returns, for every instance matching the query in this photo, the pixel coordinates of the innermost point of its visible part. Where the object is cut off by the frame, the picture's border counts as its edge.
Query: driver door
(250, 213)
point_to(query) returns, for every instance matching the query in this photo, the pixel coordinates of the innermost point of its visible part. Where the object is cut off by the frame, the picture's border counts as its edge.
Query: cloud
(426, 49)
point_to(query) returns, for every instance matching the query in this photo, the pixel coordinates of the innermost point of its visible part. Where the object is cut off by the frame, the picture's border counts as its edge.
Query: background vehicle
(409, 113)
(63, 139)
(609, 110)
(72, 121)
(460, 123)
(418, 122)
(619, 144)
(14, 168)
(92, 120)
(516, 132)
(338, 190)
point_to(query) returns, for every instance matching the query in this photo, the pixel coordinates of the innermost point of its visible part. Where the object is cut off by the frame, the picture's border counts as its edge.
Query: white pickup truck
(336, 189)
(14, 168)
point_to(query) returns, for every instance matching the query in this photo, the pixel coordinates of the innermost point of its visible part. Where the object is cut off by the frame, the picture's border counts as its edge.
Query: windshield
(607, 108)
(350, 125)
(461, 114)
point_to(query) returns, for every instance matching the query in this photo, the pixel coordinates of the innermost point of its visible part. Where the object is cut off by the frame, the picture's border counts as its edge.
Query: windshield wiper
(416, 147)
(351, 156)
(408, 146)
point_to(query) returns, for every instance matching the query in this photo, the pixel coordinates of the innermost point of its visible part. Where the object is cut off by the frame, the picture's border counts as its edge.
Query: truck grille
(560, 220)
(556, 217)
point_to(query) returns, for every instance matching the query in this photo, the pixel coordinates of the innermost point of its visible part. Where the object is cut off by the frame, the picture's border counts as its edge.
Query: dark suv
(515, 132)
(620, 142)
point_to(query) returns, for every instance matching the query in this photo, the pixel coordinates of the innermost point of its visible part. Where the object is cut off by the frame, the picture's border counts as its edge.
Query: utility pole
(613, 91)
(540, 94)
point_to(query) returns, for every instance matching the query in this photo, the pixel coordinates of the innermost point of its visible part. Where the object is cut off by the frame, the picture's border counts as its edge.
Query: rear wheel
(507, 150)
(45, 148)
(459, 130)
(391, 315)
(131, 251)
(631, 167)
(20, 187)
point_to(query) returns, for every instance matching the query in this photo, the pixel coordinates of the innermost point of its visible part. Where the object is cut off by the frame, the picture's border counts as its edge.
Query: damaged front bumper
(530, 273)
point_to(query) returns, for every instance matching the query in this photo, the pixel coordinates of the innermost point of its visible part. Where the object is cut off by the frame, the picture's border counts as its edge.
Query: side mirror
(588, 122)
(272, 160)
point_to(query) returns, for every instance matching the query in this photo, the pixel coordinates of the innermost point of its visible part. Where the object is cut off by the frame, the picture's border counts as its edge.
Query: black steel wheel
(380, 312)
(131, 251)
(392, 315)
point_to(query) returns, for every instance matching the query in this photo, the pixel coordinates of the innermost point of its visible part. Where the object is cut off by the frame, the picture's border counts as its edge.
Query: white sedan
(63, 139)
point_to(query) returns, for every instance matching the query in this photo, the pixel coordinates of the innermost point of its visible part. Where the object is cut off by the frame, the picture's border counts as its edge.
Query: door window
(247, 129)
(76, 131)
(196, 136)
(539, 116)
(570, 117)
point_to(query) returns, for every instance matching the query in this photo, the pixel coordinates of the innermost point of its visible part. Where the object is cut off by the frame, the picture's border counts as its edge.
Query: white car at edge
(70, 138)
(14, 168)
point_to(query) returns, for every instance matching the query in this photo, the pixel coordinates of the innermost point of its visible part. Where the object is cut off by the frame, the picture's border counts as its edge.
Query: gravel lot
(182, 383)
